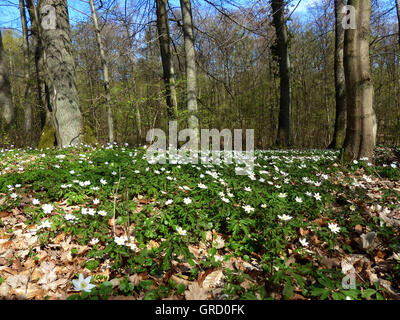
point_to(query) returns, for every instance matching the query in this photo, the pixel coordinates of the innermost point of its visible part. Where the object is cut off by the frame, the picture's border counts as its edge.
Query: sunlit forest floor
(103, 223)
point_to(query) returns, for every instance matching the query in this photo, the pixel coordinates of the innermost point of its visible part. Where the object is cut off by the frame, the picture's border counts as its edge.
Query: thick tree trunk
(60, 74)
(25, 47)
(106, 79)
(7, 111)
(360, 133)
(278, 14)
(190, 63)
(166, 57)
(340, 120)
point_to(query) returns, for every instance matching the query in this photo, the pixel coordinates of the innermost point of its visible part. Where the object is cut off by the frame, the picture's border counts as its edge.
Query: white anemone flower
(334, 227)
(47, 208)
(180, 231)
(285, 217)
(83, 284)
(303, 242)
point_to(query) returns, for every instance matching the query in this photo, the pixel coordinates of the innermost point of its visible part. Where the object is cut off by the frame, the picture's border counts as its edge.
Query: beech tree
(6, 105)
(166, 57)
(190, 64)
(279, 21)
(361, 126)
(59, 64)
(340, 119)
(398, 17)
(106, 78)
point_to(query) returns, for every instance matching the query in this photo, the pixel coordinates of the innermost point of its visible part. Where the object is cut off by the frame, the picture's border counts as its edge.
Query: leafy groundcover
(104, 223)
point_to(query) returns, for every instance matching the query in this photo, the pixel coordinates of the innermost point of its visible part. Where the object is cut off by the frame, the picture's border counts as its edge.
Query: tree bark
(166, 57)
(278, 14)
(60, 75)
(106, 79)
(42, 89)
(6, 106)
(360, 133)
(25, 48)
(340, 119)
(398, 17)
(190, 63)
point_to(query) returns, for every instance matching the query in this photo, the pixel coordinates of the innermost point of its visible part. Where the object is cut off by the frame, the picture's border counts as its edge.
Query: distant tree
(106, 78)
(6, 105)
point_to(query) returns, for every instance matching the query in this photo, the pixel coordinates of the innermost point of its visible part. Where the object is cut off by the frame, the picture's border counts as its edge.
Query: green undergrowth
(279, 225)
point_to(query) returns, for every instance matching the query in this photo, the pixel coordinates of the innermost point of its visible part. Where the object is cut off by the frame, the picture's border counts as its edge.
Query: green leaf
(352, 293)
(379, 296)
(288, 290)
(248, 296)
(180, 288)
(325, 295)
(300, 280)
(325, 281)
(166, 264)
(315, 292)
(151, 295)
(92, 264)
(338, 296)
(145, 284)
(368, 293)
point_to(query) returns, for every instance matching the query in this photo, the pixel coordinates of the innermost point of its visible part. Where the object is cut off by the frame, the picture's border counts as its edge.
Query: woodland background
(237, 71)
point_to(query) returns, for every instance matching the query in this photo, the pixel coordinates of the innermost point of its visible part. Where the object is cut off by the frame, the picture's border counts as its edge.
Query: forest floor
(302, 226)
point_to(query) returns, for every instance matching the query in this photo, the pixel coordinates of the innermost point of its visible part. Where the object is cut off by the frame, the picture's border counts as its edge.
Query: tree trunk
(166, 57)
(42, 89)
(60, 74)
(190, 63)
(278, 14)
(360, 133)
(25, 47)
(173, 88)
(398, 17)
(106, 79)
(6, 106)
(340, 120)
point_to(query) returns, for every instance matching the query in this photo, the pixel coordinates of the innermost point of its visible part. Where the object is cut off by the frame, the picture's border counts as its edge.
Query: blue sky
(9, 12)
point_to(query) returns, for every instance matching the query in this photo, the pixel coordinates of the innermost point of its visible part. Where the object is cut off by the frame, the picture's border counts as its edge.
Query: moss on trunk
(89, 137)
(48, 138)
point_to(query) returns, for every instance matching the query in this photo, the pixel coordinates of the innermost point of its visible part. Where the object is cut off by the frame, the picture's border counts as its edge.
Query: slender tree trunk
(38, 57)
(190, 63)
(6, 106)
(278, 14)
(360, 133)
(166, 57)
(25, 47)
(398, 17)
(60, 73)
(340, 119)
(106, 79)
(173, 88)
